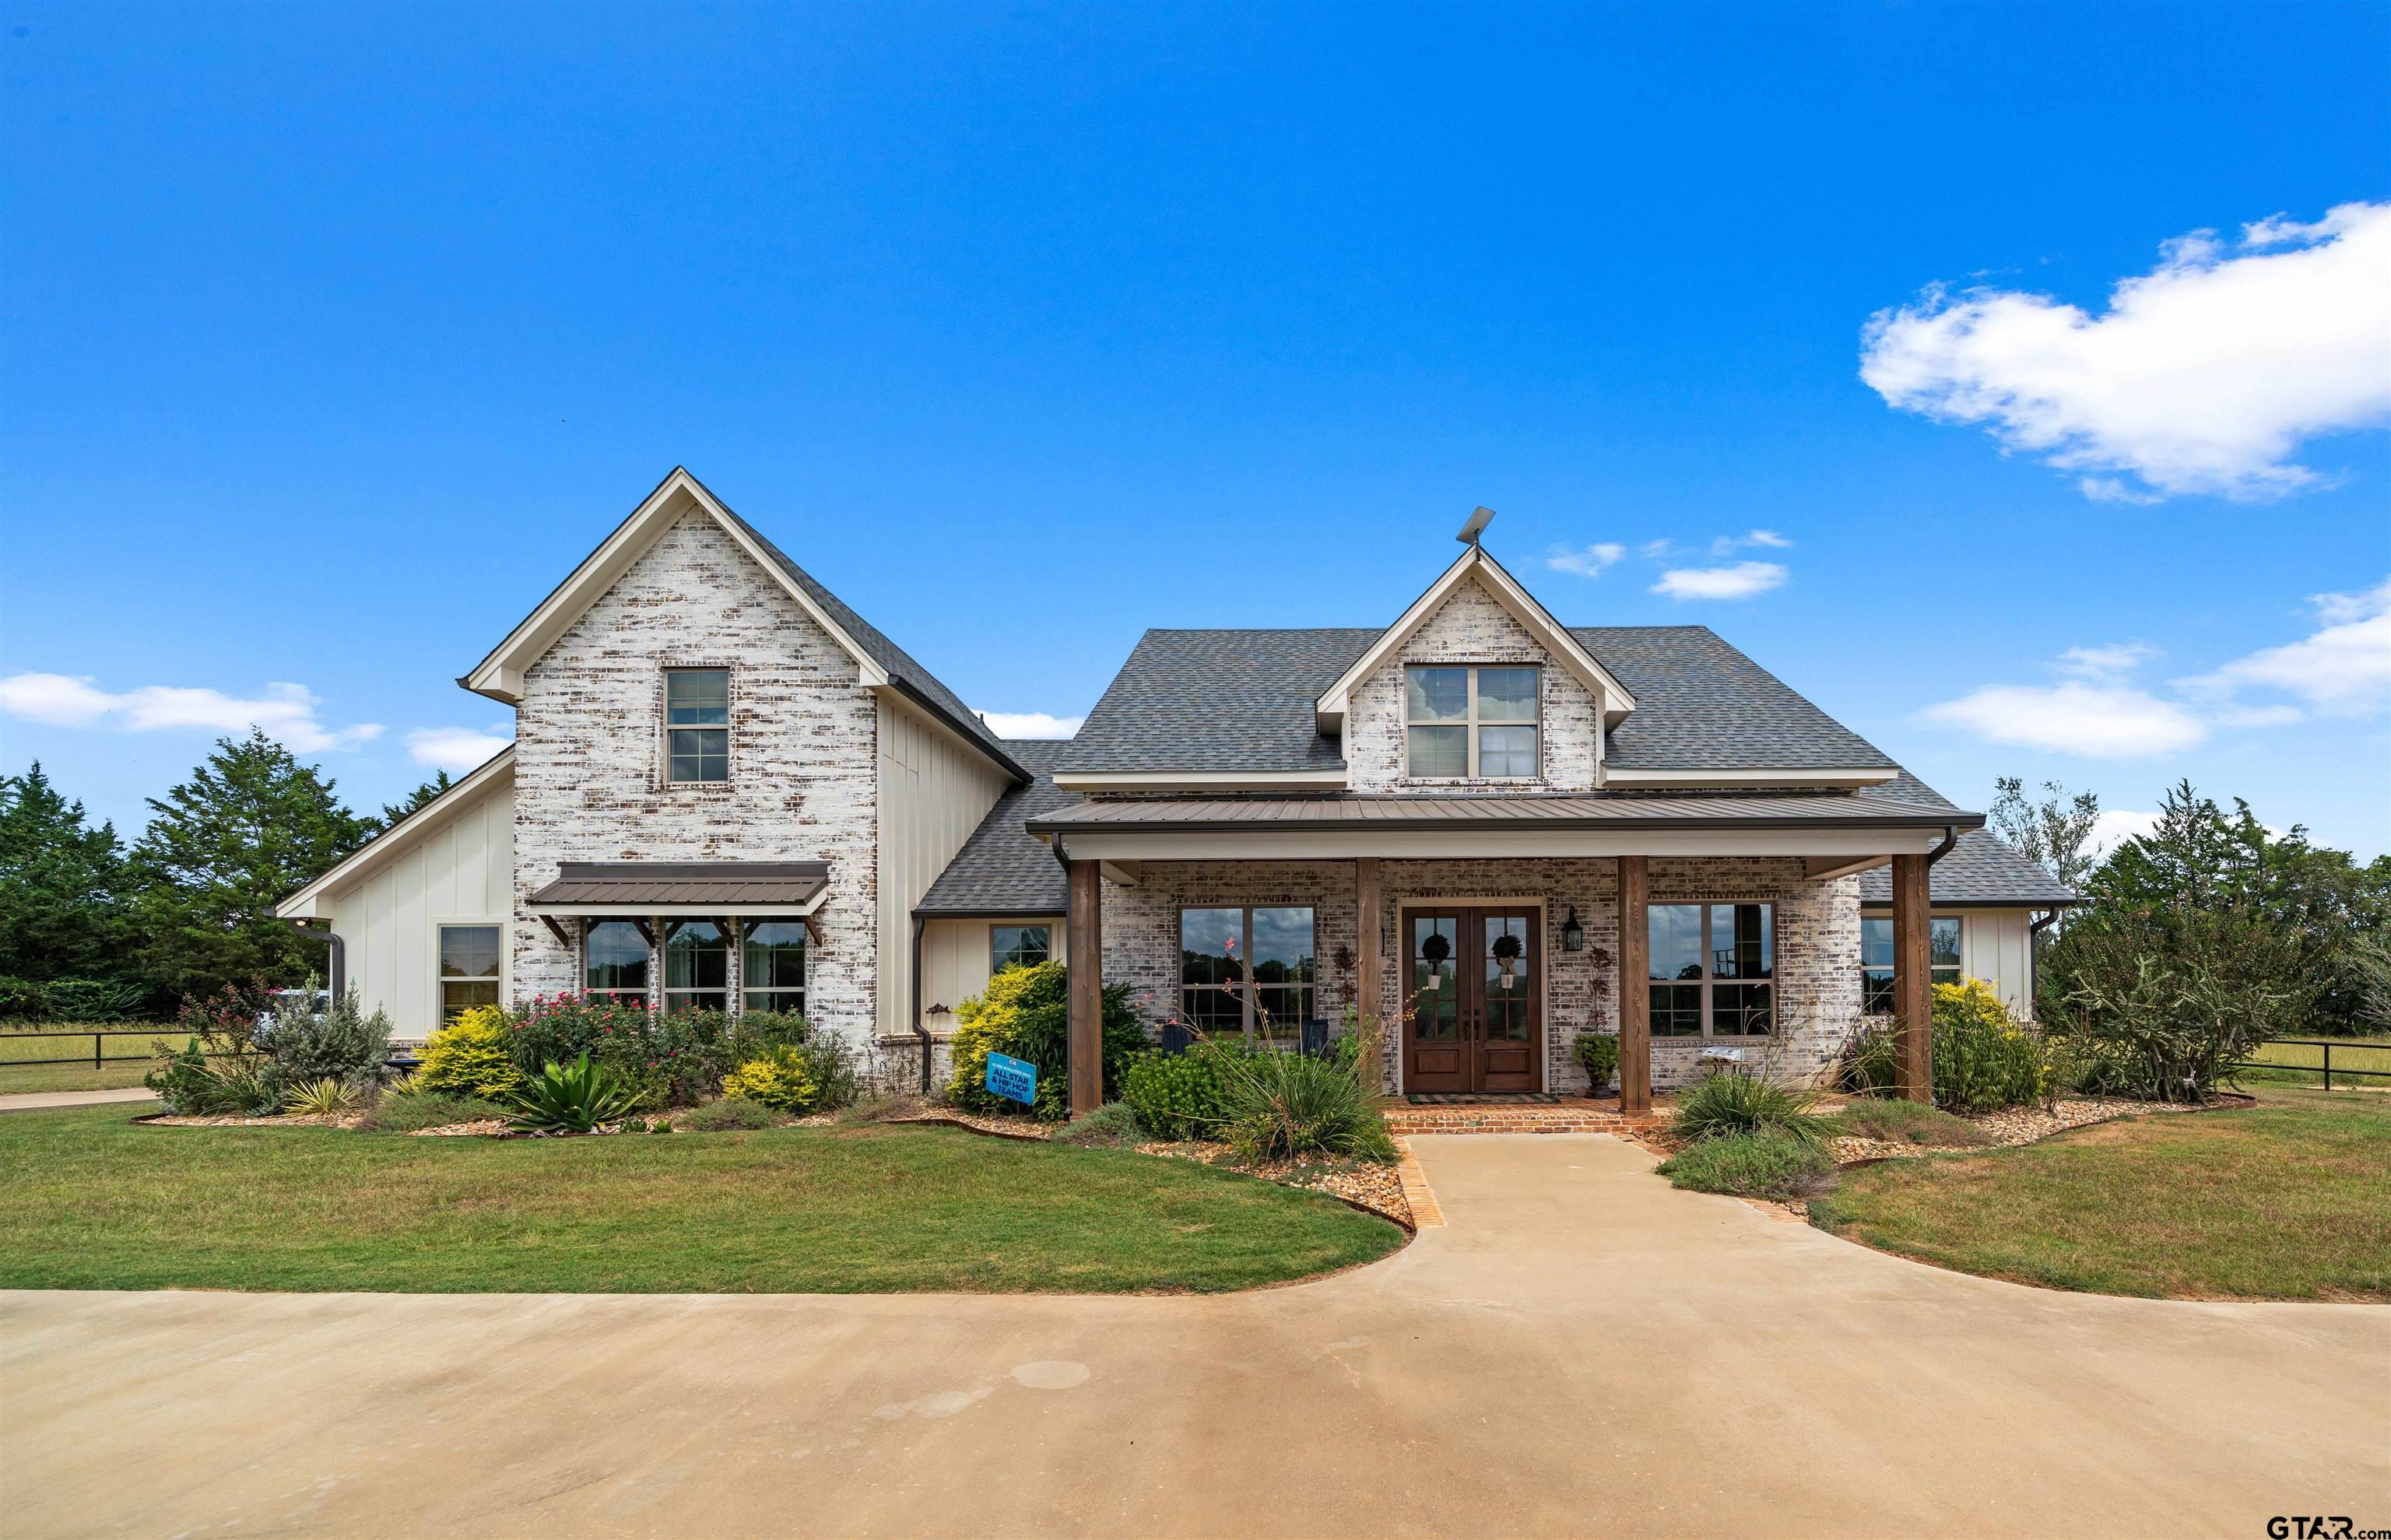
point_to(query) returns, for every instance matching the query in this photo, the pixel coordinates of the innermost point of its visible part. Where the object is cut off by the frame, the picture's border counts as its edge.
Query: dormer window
(1476, 723)
(697, 724)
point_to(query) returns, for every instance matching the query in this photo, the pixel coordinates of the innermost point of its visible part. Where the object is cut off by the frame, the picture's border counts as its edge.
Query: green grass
(1893, 1121)
(125, 1058)
(2304, 1066)
(2290, 1199)
(1771, 1163)
(88, 1200)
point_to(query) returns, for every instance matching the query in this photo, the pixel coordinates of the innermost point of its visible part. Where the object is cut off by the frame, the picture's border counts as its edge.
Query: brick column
(1635, 988)
(1912, 995)
(1369, 965)
(1087, 984)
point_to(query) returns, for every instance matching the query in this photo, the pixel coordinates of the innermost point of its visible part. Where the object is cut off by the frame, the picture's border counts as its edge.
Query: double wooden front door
(1474, 983)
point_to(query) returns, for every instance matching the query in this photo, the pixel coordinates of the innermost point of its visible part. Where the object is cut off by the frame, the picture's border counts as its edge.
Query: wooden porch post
(1369, 982)
(1087, 976)
(1912, 995)
(1635, 991)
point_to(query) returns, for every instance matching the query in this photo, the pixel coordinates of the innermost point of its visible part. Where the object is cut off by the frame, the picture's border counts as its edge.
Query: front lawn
(2290, 1199)
(89, 1201)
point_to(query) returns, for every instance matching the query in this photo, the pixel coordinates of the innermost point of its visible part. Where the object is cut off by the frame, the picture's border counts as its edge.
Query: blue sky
(331, 337)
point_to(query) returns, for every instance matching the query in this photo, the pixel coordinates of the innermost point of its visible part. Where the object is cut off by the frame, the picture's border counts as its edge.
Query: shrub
(429, 1109)
(184, 1083)
(1724, 1104)
(1774, 1165)
(472, 1057)
(784, 1079)
(1182, 1095)
(1027, 1012)
(1598, 1053)
(571, 1098)
(1893, 1121)
(1112, 1123)
(190, 1084)
(730, 1115)
(1280, 1105)
(2165, 1033)
(831, 1063)
(337, 1043)
(1984, 1059)
(321, 1098)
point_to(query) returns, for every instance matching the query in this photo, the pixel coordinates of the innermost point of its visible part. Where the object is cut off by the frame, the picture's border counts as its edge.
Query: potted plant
(1598, 1052)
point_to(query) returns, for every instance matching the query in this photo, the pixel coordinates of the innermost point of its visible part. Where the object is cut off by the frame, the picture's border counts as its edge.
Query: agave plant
(571, 1098)
(321, 1098)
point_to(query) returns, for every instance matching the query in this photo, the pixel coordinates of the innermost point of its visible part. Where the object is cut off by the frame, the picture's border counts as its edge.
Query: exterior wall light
(1573, 933)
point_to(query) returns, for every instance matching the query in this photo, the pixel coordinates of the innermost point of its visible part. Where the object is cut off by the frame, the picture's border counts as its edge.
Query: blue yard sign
(1011, 1077)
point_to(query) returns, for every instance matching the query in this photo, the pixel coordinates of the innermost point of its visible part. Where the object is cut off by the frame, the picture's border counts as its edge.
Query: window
(615, 956)
(697, 966)
(1472, 722)
(1712, 969)
(1016, 946)
(1876, 959)
(469, 968)
(697, 724)
(1247, 971)
(774, 975)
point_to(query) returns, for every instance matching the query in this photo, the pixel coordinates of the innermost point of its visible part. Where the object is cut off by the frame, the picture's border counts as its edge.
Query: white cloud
(1740, 581)
(1586, 561)
(2202, 377)
(1728, 545)
(2102, 662)
(285, 712)
(2344, 670)
(2102, 720)
(453, 748)
(2116, 826)
(1030, 724)
(1652, 551)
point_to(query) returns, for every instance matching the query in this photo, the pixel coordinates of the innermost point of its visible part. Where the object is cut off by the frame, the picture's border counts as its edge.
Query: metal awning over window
(639, 889)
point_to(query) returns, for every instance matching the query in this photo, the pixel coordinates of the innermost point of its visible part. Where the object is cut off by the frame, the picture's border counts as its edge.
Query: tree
(62, 886)
(250, 827)
(2052, 832)
(393, 812)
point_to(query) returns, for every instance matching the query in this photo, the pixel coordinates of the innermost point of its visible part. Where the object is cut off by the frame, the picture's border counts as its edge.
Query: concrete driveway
(1581, 1351)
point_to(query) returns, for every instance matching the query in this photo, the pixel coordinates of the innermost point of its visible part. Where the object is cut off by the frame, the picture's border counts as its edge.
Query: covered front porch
(1479, 949)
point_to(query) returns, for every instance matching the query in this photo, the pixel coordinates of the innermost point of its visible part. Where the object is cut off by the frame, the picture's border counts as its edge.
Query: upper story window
(1476, 722)
(697, 724)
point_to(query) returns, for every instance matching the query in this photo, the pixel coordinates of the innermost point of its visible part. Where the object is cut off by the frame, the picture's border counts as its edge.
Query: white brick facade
(589, 781)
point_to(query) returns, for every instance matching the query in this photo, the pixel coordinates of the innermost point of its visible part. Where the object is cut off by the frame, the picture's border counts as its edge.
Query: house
(1479, 827)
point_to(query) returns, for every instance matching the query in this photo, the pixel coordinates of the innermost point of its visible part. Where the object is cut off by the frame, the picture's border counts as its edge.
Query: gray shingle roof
(1001, 870)
(1983, 869)
(1242, 700)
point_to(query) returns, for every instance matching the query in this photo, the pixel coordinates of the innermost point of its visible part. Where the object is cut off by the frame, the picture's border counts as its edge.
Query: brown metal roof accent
(1595, 810)
(677, 883)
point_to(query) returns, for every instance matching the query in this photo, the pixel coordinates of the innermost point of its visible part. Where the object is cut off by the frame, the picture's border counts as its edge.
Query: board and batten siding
(934, 792)
(459, 870)
(1993, 947)
(955, 957)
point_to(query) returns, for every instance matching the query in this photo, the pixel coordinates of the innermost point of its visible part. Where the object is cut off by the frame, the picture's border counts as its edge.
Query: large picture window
(469, 968)
(1942, 932)
(772, 975)
(1479, 721)
(697, 966)
(697, 724)
(1247, 971)
(615, 961)
(1712, 969)
(1017, 947)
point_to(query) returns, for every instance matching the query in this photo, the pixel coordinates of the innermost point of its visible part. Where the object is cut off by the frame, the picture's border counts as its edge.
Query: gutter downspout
(1950, 839)
(2033, 965)
(340, 963)
(919, 1031)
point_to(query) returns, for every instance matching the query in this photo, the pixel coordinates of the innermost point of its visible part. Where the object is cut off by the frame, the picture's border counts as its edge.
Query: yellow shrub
(781, 1079)
(469, 1056)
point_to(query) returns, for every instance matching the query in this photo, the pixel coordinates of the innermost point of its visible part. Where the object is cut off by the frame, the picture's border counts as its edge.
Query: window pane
(1015, 947)
(1675, 932)
(775, 959)
(1213, 1011)
(1876, 991)
(1507, 694)
(1506, 991)
(1676, 1010)
(700, 753)
(1282, 946)
(468, 952)
(1439, 694)
(1942, 942)
(1506, 751)
(1279, 1015)
(1208, 941)
(696, 956)
(1740, 1010)
(777, 1000)
(457, 996)
(1740, 945)
(697, 697)
(1876, 943)
(1435, 998)
(1439, 751)
(618, 956)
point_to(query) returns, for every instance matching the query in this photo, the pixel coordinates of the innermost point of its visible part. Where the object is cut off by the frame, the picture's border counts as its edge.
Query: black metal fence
(99, 1058)
(2326, 1068)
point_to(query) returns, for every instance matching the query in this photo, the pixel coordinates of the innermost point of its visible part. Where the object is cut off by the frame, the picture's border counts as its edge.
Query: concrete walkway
(1580, 1351)
(48, 1101)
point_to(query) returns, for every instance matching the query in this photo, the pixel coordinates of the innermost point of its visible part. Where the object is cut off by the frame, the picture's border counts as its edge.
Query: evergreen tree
(62, 886)
(250, 827)
(393, 812)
